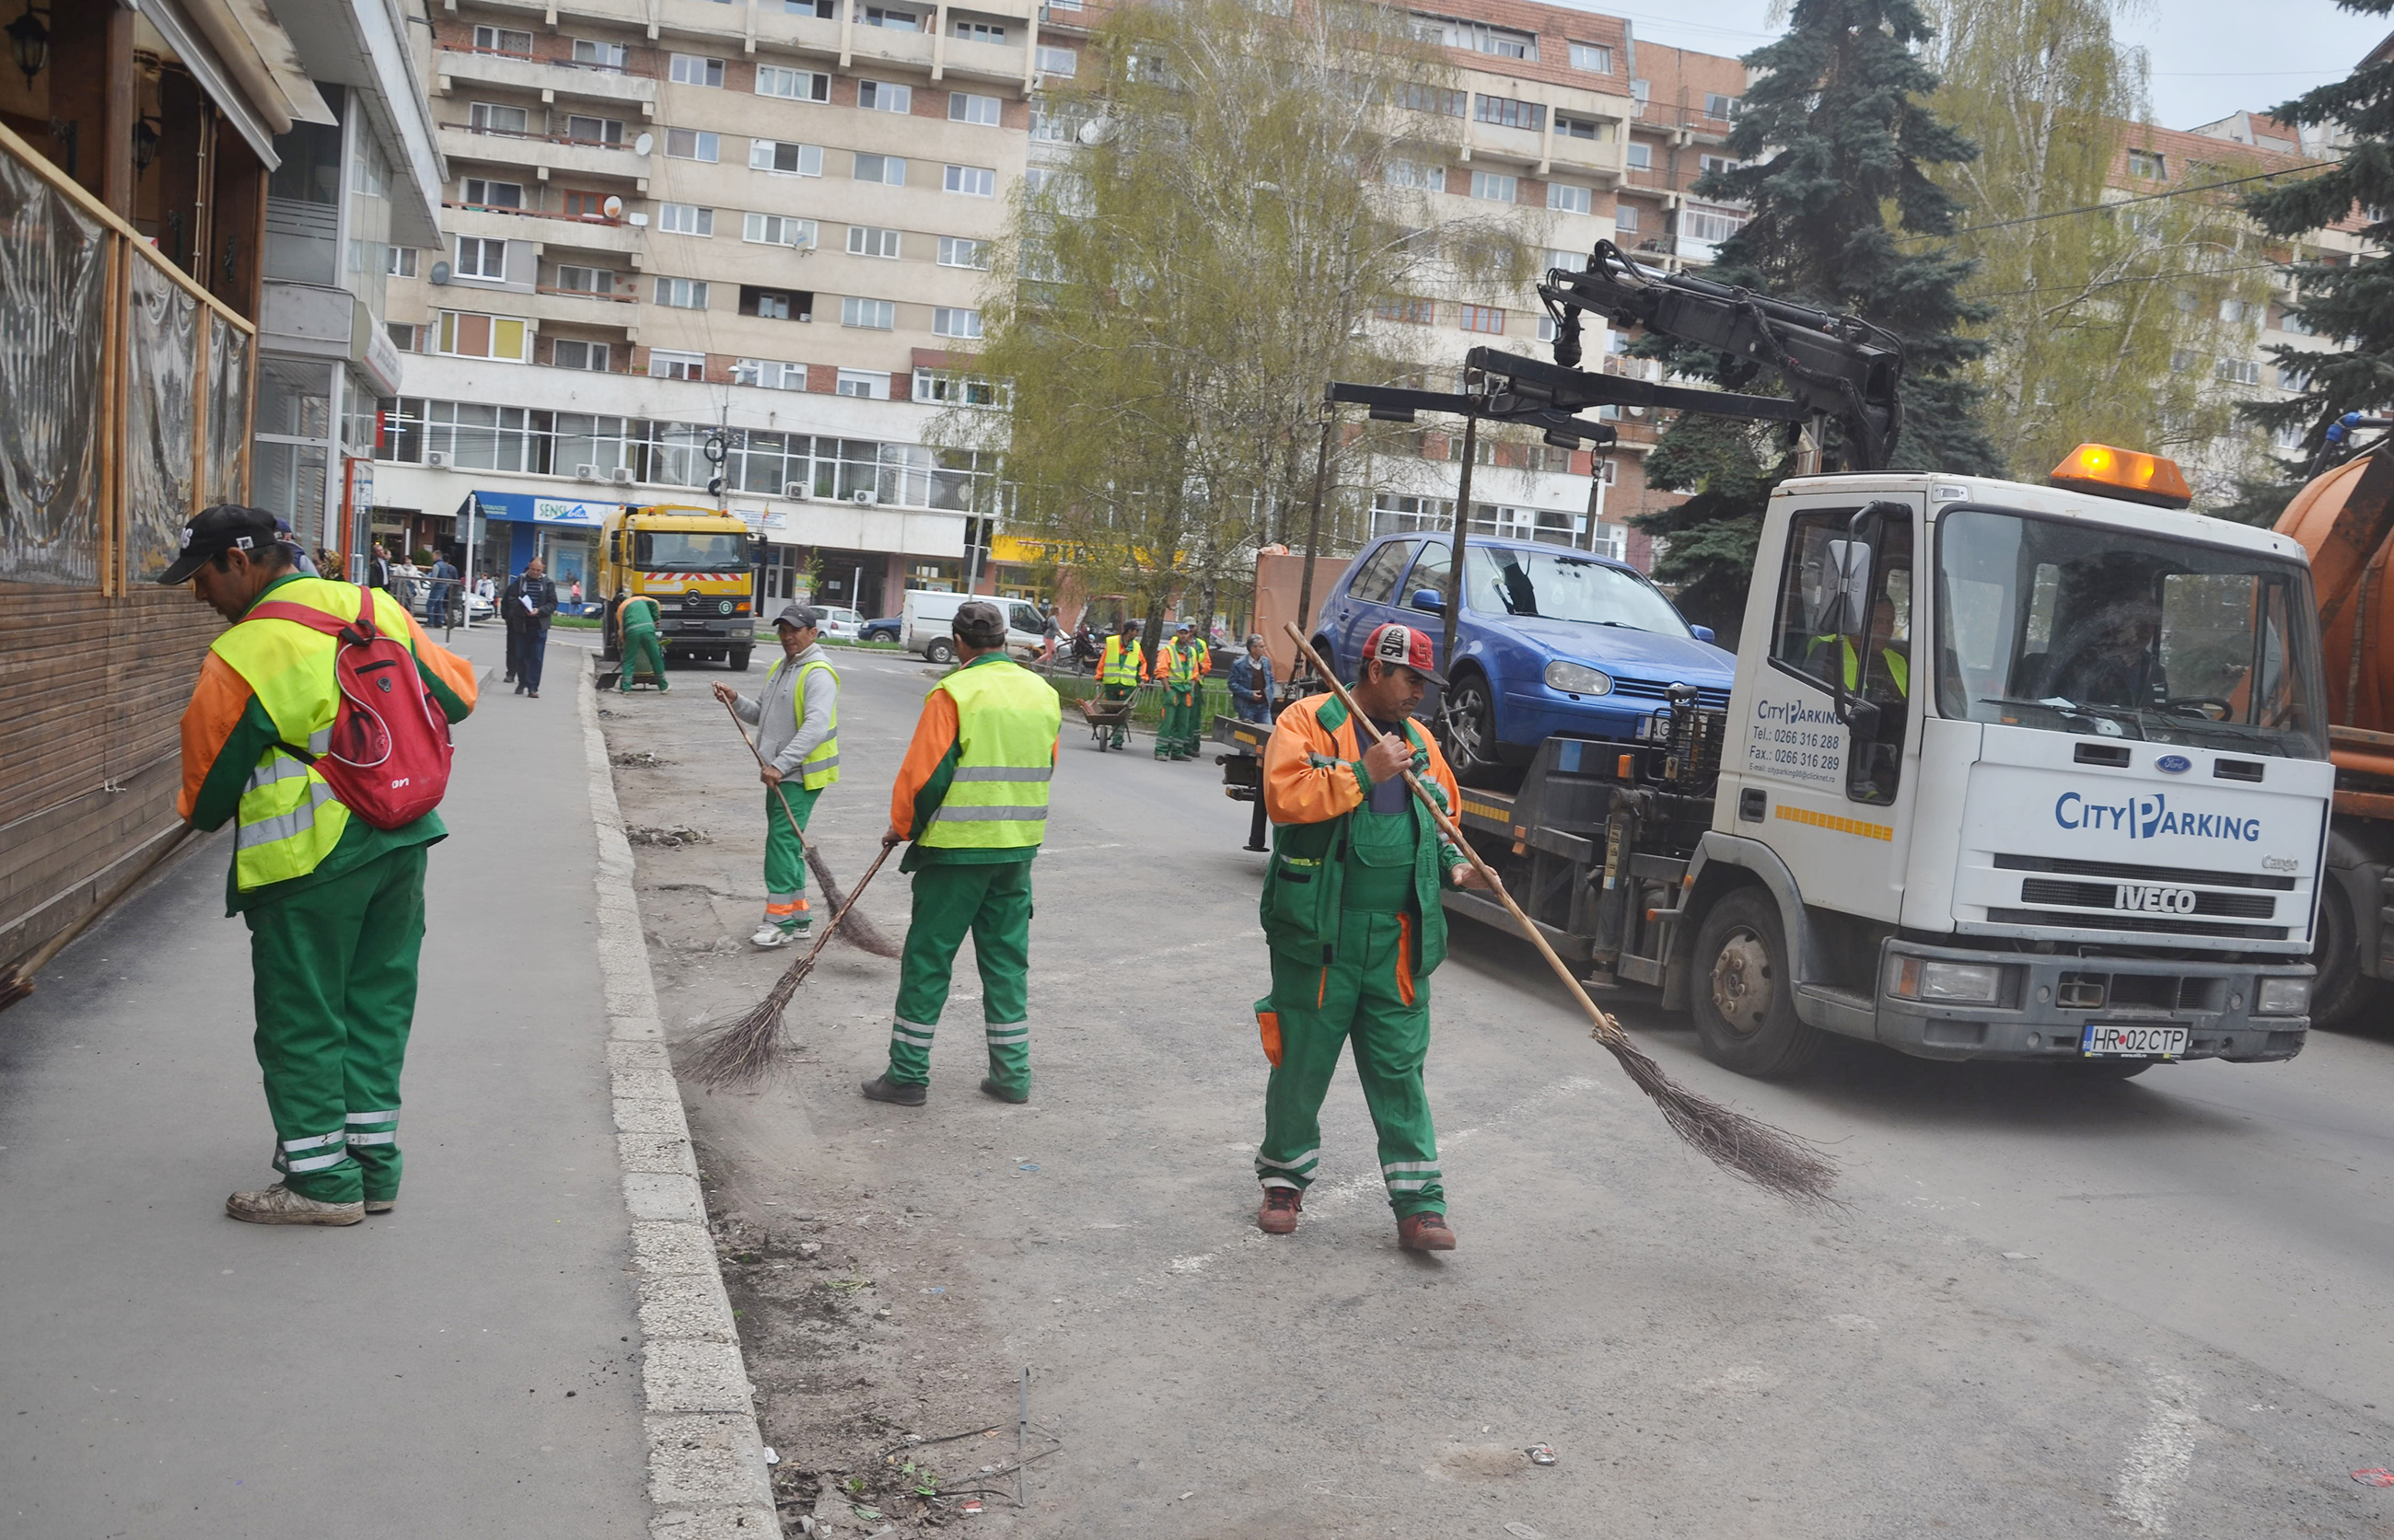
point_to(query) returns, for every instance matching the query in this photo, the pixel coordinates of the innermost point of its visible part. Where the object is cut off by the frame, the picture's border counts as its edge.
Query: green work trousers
(1175, 736)
(1114, 694)
(786, 859)
(992, 901)
(333, 971)
(641, 649)
(1371, 996)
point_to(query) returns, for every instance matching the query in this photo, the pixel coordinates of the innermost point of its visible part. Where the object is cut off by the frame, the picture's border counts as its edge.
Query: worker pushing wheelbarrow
(1109, 720)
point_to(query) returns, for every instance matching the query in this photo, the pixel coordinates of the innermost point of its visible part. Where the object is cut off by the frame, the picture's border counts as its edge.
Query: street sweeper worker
(334, 906)
(637, 619)
(972, 796)
(1350, 911)
(796, 716)
(1180, 670)
(1120, 672)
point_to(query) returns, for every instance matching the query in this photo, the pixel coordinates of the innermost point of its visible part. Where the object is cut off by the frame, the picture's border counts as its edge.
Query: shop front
(505, 531)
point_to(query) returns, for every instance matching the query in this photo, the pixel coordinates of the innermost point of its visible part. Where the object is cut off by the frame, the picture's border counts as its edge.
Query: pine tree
(1839, 109)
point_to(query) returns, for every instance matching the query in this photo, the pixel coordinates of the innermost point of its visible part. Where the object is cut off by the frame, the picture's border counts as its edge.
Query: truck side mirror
(1430, 599)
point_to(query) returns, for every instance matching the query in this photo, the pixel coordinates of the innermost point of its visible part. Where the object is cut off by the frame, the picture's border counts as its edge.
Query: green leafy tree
(1837, 143)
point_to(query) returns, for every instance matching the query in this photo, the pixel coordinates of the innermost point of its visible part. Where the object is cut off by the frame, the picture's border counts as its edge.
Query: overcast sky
(2209, 58)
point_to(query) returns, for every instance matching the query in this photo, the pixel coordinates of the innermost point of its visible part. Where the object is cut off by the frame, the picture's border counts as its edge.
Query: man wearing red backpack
(310, 729)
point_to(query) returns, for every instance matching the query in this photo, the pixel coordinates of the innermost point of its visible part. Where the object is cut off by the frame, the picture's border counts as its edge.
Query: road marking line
(2158, 1461)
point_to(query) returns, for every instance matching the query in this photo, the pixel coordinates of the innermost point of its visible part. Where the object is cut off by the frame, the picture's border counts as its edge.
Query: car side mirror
(1430, 599)
(1701, 633)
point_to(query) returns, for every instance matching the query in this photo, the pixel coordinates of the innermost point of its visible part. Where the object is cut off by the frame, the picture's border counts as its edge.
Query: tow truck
(2007, 772)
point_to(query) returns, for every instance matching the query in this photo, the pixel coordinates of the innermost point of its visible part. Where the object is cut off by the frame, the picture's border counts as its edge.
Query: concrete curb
(706, 1455)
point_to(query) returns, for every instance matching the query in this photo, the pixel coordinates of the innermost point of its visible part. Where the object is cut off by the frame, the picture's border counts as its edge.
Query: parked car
(842, 624)
(927, 618)
(883, 629)
(1550, 640)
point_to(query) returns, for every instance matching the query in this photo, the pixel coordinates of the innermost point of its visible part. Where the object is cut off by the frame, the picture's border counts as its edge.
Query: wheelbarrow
(1105, 717)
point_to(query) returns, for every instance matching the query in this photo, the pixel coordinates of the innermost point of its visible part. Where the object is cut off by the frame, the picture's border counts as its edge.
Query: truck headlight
(2281, 998)
(1578, 678)
(1914, 978)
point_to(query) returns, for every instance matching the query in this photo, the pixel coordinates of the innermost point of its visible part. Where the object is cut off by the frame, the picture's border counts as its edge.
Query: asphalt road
(2045, 1309)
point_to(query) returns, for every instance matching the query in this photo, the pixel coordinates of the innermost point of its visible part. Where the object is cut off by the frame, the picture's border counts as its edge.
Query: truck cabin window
(1844, 621)
(671, 551)
(2076, 628)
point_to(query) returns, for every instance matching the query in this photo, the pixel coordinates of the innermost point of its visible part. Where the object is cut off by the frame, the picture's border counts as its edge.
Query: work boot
(882, 1089)
(381, 1206)
(769, 935)
(989, 1087)
(1280, 1210)
(1424, 1231)
(280, 1205)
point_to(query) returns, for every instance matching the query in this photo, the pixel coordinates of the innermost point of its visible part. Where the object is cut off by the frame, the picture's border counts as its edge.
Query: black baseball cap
(798, 617)
(226, 527)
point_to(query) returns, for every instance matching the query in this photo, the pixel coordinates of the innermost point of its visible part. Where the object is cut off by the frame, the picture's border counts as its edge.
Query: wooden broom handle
(779, 795)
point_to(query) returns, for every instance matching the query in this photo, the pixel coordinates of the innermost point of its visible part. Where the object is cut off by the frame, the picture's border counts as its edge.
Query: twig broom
(862, 934)
(1769, 1157)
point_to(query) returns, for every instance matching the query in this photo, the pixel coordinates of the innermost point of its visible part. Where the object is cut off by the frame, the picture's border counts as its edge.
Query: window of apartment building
(2148, 164)
(663, 365)
(785, 156)
(1707, 164)
(935, 388)
(586, 280)
(1713, 225)
(406, 338)
(692, 70)
(691, 144)
(400, 262)
(1494, 186)
(1475, 36)
(957, 251)
(502, 40)
(978, 31)
(490, 117)
(769, 373)
(1483, 317)
(1641, 155)
(1624, 218)
(1050, 127)
(888, 170)
(685, 219)
(2292, 322)
(821, 10)
(478, 256)
(586, 205)
(1418, 175)
(772, 79)
(1721, 107)
(1415, 97)
(964, 107)
(1594, 58)
(599, 56)
(973, 182)
(891, 17)
(866, 384)
(948, 322)
(465, 336)
(1571, 261)
(1057, 62)
(777, 230)
(879, 96)
(682, 294)
(583, 130)
(2241, 312)
(1581, 128)
(1413, 312)
(2238, 371)
(1563, 198)
(482, 194)
(1508, 113)
(869, 240)
(573, 353)
(776, 304)
(874, 314)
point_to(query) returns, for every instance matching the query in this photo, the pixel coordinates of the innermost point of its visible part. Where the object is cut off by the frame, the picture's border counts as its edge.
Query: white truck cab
(2011, 772)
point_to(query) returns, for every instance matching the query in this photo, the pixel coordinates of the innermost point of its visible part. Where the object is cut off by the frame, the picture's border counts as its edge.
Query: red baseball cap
(1407, 647)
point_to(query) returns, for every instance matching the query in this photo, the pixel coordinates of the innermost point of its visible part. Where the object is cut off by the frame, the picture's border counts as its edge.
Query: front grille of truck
(2102, 895)
(2170, 876)
(2140, 923)
(1648, 689)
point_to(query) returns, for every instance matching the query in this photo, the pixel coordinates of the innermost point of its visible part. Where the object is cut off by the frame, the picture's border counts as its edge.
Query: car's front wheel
(1469, 720)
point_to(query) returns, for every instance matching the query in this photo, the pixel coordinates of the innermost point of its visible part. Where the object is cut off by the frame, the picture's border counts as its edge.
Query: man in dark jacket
(1251, 682)
(528, 604)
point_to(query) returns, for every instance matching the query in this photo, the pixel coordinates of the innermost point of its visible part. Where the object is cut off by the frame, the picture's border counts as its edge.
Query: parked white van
(926, 622)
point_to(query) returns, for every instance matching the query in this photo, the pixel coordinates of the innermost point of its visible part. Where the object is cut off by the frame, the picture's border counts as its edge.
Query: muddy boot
(280, 1205)
(1279, 1214)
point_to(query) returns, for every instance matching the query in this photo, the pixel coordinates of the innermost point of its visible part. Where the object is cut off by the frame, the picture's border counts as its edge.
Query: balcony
(985, 61)
(593, 235)
(883, 45)
(616, 312)
(807, 33)
(452, 67)
(582, 159)
(1600, 158)
(1515, 146)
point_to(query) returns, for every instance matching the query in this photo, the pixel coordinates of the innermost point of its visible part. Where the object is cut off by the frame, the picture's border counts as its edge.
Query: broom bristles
(1748, 1148)
(857, 932)
(743, 1049)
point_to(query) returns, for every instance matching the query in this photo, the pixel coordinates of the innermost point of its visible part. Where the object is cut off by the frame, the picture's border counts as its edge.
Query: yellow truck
(699, 566)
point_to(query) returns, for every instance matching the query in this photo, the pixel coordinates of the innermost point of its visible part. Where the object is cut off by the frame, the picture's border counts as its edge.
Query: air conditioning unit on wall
(586, 473)
(621, 475)
(863, 500)
(436, 459)
(798, 491)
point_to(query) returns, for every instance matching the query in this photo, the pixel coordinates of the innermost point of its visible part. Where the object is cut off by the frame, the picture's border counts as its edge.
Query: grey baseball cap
(980, 622)
(798, 617)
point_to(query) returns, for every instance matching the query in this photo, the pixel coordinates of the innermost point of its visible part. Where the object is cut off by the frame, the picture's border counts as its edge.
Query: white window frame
(465, 194)
(868, 315)
(956, 321)
(1638, 155)
(804, 84)
(869, 384)
(990, 32)
(493, 40)
(1496, 187)
(696, 69)
(962, 251)
(884, 96)
(806, 160)
(666, 364)
(769, 375)
(682, 294)
(972, 181)
(444, 328)
(896, 19)
(685, 219)
(777, 230)
(1594, 58)
(400, 262)
(887, 163)
(596, 355)
(1056, 61)
(875, 240)
(481, 246)
(965, 107)
(1569, 198)
(610, 55)
(479, 116)
(705, 145)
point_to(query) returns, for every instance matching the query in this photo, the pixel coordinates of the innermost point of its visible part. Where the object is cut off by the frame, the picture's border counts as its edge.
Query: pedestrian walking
(1120, 672)
(1177, 668)
(378, 569)
(445, 592)
(1251, 682)
(972, 796)
(335, 905)
(1351, 912)
(531, 602)
(796, 716)
(637, 619)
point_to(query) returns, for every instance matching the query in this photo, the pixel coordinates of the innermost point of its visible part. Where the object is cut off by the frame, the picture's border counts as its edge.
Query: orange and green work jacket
(973, 788)
(1122, 665)
(1314, 784)
(1178, 666)
(230, 734)
(639, 610)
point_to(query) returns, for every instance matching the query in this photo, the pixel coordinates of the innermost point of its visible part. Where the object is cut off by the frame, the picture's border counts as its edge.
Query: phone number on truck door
(1791, 738)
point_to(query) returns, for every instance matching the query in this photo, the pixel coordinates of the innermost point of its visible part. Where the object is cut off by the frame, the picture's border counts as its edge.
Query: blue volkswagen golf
(1551, 640)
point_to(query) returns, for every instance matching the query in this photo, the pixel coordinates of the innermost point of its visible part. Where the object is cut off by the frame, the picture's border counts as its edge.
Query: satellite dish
(645, 143)
(612, 207)
(439, 272)
(1096, 131)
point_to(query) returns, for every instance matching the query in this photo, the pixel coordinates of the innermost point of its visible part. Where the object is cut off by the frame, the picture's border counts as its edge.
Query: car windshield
(2089, 629)
(675, 551)
(1553, 585)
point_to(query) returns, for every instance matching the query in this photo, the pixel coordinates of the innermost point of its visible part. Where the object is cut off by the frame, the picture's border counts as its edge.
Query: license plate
(2133, 1042)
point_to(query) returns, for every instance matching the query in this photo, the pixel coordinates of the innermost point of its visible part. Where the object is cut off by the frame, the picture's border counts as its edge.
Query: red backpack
(389, 758)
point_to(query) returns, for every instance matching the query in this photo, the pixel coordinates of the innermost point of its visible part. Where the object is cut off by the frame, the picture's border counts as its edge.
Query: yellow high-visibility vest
(1007, 722)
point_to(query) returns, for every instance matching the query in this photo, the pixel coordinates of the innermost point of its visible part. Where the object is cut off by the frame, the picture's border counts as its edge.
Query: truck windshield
(2082, 628)
(1554, 585)
(673, 551)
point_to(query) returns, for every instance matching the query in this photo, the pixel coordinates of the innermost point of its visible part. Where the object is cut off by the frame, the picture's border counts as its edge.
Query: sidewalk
(467, 1365)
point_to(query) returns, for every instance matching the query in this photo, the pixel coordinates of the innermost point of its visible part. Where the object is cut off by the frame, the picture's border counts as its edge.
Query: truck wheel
(739, 660)
(1470, 722)
(2340, 993)
(939, 651)
(609, 649)
(1745, 992)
